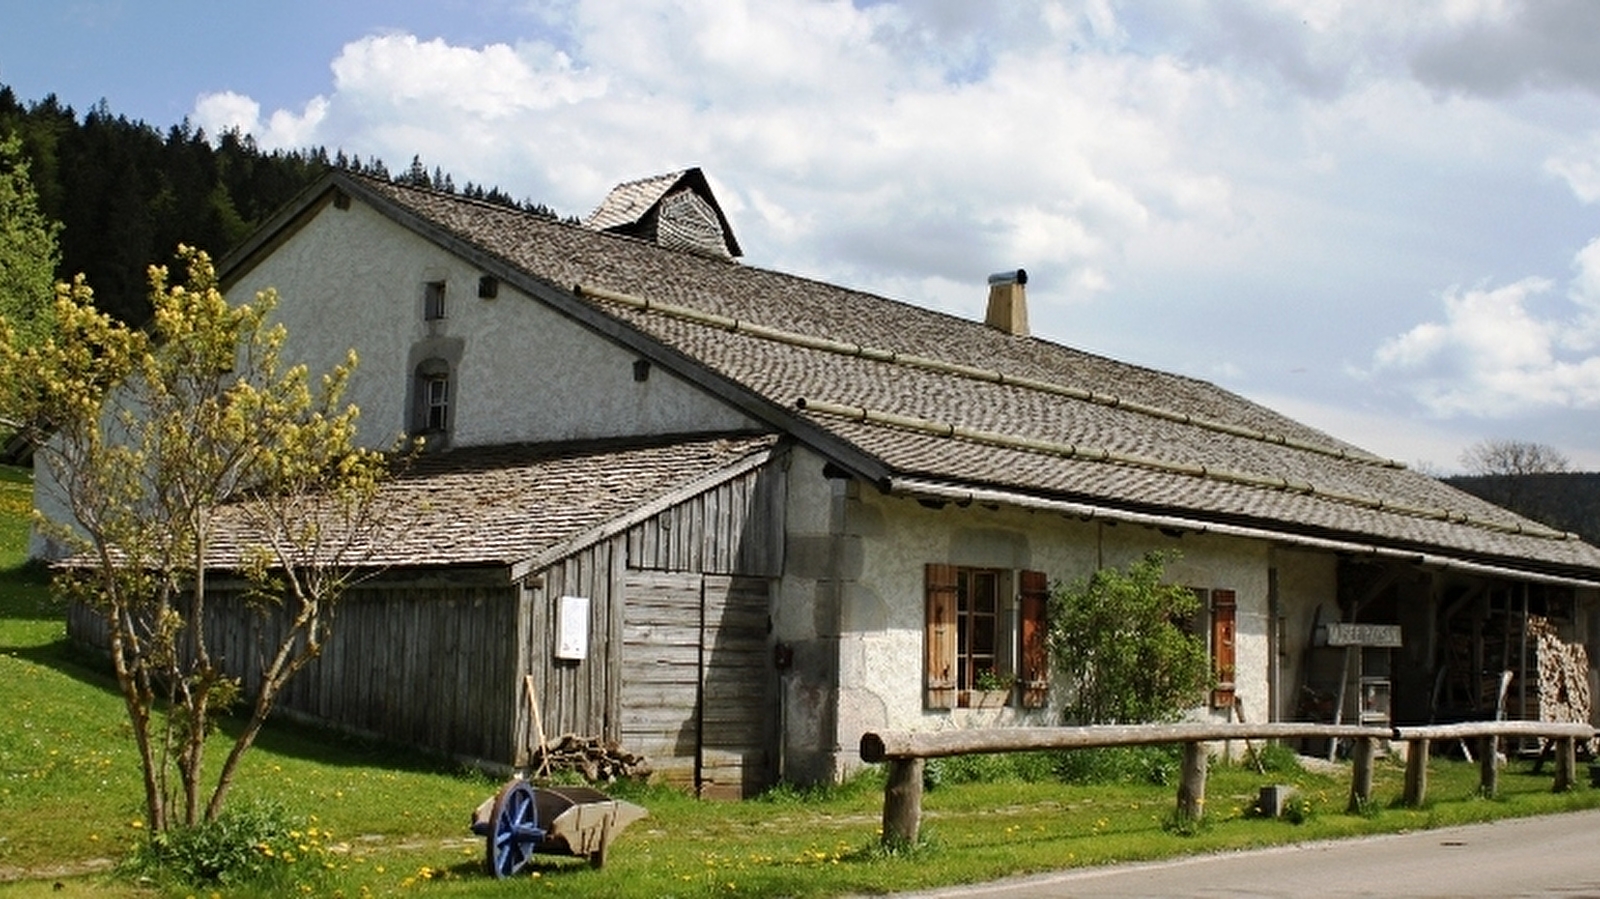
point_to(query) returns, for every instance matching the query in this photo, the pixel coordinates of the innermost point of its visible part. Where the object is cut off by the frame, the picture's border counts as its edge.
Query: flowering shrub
(250, 843)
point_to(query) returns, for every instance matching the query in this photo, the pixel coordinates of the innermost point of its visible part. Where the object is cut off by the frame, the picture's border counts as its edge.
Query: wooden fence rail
(1488, 733)
(906, 753)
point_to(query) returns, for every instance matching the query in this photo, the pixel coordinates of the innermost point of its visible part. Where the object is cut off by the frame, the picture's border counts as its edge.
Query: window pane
(433, 300)
(983, 635)
(985, 591)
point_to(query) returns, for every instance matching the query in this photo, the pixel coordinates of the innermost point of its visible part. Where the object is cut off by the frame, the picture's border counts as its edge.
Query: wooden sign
(1364, 635)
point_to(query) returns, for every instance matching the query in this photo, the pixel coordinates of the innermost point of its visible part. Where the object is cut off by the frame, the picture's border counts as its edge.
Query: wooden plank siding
(428, 665)
(733, 528)
(425, 662)
(650, 654)
(440, 658)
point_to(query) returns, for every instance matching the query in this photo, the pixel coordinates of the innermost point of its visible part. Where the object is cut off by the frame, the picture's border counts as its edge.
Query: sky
(1382, 219)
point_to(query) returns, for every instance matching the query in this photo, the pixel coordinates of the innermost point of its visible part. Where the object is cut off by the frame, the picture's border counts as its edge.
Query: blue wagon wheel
(514, 830)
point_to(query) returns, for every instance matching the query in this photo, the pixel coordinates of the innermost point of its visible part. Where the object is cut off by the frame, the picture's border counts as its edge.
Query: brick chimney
(1008, 303)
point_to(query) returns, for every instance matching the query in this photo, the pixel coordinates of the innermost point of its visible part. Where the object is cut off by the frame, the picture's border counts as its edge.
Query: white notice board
(572, 627)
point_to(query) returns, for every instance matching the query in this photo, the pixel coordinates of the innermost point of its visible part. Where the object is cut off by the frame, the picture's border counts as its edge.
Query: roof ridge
(1100, 454)
(972, 372)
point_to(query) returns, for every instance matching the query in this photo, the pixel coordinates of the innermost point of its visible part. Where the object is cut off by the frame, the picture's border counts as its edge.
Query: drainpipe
(1274, 639)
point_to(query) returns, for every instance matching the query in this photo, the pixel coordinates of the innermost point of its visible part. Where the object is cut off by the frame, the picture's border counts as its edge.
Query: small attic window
(488, 287)
(433, 301)
(431, 412)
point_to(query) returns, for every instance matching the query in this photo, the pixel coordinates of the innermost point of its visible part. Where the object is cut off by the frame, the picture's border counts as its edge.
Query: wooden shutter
(1223, 616)
(1033, 673)
(941, 636)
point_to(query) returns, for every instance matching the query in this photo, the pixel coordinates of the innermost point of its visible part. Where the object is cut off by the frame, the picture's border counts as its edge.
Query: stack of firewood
(1563, 674)
(597, 760)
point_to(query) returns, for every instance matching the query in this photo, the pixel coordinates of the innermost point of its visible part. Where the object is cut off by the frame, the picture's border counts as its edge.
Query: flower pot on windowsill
(988, 699)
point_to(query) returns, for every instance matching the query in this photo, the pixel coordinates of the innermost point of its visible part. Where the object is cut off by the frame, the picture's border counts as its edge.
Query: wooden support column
(1363, 755)
(902, 802)
(1566, 763)
(1417, 772)
(1489, 766)
(1192, 782)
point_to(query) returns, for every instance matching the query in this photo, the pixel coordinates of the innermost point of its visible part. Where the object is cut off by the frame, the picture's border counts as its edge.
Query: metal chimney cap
(1020, 276)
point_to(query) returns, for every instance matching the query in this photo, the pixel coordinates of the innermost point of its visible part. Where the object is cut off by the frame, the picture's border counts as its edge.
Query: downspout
(1274, 639)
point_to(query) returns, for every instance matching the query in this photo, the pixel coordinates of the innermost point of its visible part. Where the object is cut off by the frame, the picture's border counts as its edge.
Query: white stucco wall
(853, 592)
(526, 373)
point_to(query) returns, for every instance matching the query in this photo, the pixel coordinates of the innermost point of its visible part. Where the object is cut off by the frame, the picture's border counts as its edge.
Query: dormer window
(433, 301)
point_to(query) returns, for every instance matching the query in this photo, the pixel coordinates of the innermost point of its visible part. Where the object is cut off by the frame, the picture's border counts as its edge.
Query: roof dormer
(676, 210)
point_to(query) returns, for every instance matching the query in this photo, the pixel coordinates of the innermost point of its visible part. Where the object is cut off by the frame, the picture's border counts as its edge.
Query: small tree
(156, 439)
(1512, 458)
(28, 249)
(1119, 638)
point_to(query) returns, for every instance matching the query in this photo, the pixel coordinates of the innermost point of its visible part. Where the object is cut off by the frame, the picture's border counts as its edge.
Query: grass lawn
(381, 821)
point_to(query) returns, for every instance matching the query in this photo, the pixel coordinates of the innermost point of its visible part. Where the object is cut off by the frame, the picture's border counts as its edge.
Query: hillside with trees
(126, 193)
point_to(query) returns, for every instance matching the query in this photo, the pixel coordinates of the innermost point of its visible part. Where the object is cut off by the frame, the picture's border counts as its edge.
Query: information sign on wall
(572, 627)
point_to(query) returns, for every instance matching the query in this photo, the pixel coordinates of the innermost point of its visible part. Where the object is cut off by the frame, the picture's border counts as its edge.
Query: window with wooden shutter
(1223, 616)
(942, 663)
(1033, 672)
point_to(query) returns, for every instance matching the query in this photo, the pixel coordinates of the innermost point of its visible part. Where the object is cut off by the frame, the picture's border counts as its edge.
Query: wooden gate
(698, 685)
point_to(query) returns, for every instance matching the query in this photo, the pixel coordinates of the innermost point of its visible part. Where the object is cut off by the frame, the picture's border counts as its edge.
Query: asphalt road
(1552, 855)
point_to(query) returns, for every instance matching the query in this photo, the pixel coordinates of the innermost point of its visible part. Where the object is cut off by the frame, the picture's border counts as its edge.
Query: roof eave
(1277, 532)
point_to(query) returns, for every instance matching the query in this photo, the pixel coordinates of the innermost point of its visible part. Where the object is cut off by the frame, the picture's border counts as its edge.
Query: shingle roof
(496, 506)
(908, 392)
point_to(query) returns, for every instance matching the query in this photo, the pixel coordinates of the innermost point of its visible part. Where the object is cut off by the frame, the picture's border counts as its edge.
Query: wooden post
(1566, 763)
(902, 802)
(1192, 782)
(1489, 766)
(1363, 755)
(1417, 772)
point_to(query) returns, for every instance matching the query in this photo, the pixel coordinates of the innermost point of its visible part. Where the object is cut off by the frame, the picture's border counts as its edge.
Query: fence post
(1489, 766)
(1566, 763)
(1192, 782)
(1363, 754)
(902, 802)
(1417, 772)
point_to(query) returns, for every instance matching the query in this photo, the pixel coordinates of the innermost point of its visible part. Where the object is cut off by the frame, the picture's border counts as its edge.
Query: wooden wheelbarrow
(523, 819)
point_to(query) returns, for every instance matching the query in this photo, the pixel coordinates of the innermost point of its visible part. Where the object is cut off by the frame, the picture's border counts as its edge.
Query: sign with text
(572, 627)
(1364, 635)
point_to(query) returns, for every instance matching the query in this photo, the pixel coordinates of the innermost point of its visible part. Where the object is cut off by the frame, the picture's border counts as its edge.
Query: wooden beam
(1417, 772)
(902, 803)
(881, 746)
(1363, 755)
(1192, 782)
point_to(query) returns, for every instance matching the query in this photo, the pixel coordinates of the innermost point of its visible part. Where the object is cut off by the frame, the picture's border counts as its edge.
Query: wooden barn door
(698, 686)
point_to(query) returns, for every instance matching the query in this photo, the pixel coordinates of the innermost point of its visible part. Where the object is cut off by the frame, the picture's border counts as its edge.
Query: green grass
(391, 822)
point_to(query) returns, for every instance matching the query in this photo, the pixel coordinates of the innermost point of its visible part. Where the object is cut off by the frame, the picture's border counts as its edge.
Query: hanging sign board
(572, 627)
(1364, 635)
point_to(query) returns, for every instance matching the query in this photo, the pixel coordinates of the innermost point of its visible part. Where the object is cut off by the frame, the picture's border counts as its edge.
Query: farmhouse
(734, 518)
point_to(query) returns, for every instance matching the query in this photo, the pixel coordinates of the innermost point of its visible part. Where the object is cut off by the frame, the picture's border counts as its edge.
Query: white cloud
(1578, 164)
(228, 111)
(1505, 351)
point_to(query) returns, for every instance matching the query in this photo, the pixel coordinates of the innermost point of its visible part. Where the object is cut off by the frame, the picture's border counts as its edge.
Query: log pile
(1563, 674)
(595, 759)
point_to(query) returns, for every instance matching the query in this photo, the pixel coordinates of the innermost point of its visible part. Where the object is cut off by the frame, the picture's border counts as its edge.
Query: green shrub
(1299, 809)
(992, 767)
(1120, 764)
(1120, 642)
(1276, 758)
(254, 844)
